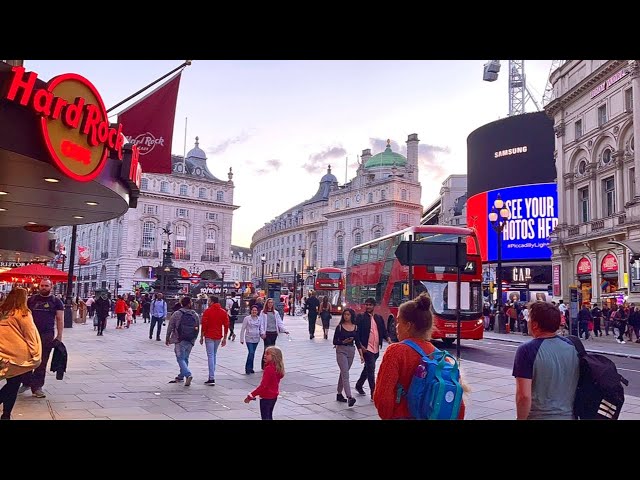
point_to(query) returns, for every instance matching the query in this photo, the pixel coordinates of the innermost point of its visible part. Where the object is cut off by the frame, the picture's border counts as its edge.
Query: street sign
(440, 254)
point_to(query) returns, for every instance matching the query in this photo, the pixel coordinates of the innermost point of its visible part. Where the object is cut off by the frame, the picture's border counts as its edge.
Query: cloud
(222, 147)
(274, 165)
(317, 162)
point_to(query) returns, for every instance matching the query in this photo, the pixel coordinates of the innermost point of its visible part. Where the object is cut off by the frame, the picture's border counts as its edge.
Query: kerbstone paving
(124, 376)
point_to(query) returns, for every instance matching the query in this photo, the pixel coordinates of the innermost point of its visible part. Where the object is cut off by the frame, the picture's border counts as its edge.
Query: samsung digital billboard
(534, 215)
(512, 151)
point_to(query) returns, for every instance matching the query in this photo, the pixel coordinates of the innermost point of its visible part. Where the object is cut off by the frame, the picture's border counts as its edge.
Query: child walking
(269, 386)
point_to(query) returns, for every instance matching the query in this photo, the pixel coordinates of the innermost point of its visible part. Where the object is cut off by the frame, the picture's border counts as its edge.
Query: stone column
(634, 71)
(559, 158)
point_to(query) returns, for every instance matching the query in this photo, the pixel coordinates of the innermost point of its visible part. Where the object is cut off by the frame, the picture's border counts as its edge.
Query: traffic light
(300, 281)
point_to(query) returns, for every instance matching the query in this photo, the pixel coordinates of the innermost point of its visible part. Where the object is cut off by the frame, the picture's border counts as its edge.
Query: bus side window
(397, 296)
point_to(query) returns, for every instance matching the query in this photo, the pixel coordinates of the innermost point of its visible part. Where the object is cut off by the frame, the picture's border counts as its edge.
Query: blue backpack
(435, 392)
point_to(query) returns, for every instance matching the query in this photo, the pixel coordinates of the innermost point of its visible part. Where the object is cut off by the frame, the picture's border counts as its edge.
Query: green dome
(386, 159)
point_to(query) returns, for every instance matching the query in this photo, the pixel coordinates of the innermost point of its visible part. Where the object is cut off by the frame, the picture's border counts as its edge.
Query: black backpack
(235, 309)
(188, 328)
(599, 395)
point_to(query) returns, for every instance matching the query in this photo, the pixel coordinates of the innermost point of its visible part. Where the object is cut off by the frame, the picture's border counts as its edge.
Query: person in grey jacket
(182, 347)
(250, 333)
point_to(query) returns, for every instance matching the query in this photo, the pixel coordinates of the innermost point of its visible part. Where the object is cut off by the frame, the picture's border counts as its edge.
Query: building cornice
(289, 231)
(373, 206)
(193, 201)
(182, 176)
(582, 88)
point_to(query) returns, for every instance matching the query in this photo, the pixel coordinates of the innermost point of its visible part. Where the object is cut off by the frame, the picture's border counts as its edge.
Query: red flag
(84, 256)
(149, 124)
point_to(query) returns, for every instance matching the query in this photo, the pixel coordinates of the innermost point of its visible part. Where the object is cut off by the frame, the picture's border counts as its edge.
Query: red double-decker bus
(374, 271)
(330, 282)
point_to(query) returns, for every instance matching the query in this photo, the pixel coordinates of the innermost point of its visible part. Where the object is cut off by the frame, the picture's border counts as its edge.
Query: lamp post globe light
(498, 217)
(263, 259)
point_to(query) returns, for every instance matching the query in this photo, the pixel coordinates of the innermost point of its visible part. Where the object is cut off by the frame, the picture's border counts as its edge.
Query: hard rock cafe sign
(73, 120)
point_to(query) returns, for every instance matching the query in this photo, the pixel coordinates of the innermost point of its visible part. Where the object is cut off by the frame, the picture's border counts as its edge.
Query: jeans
(369, 371)
(248, 367)
(212, 350)
(344, 357)
(183, 349)
(35, 379)
(311, 317)
(266, 408)
(270, 340)
(155, 320)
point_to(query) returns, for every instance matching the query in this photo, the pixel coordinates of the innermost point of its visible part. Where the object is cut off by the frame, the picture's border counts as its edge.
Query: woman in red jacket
(415, 322)
(120, 311)
(268, 389)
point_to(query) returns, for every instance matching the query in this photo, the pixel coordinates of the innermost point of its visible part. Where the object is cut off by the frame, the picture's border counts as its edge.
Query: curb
(591, 350)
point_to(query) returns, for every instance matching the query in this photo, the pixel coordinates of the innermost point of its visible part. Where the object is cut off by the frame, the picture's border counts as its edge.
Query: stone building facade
(595, 112)
(195, 205)
(382, 198)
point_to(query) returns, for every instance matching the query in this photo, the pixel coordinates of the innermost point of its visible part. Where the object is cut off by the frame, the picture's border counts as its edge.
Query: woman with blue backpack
(415, 379)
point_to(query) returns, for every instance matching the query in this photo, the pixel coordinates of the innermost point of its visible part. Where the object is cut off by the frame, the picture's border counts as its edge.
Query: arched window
(202, 193)
(164, 187)
(220, 196)
(377, 233)
(181, 243)
(148, 236)
(98, 252)
(183, 191)
(82, 237)
(314, 254)
(606, 156)
(357, 238)
(106, 237)
(340, 250)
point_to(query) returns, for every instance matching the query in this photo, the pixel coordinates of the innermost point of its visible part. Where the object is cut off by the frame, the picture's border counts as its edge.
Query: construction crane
(518, 91)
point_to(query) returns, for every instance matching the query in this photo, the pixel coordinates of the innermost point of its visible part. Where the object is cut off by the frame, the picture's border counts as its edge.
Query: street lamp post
(498, 217)
(263, 259)
(222, 286)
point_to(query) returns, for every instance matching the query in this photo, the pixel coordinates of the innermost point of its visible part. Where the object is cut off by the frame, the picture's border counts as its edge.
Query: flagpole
(184, 157)
(185, 64)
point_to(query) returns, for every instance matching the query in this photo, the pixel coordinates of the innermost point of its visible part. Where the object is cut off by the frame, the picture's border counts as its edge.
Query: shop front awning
(632, 245)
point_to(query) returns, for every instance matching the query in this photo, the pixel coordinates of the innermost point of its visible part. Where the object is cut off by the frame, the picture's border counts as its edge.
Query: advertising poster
(533, 216)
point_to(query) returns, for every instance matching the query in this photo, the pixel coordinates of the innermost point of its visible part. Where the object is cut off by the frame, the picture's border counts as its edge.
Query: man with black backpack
(183, 330)
(546, 369)
(233, 310)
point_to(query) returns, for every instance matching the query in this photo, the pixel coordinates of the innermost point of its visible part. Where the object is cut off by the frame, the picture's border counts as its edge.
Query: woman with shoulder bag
(325, 315)
(346, 341)
(20, 347)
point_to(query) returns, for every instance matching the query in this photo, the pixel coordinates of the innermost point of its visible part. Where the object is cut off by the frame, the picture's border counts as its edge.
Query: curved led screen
(512, 151)
(533, 216)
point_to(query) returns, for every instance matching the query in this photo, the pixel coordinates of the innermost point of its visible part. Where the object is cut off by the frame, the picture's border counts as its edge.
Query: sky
(279, 124)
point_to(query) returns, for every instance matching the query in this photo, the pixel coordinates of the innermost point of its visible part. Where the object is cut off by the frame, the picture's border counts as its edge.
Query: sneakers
(23, 389)
(340, 398)
(351, 401)
(188, 381)
(211, 381)
(38, 394)
(360, 390)
(234, 338)
(176, 380)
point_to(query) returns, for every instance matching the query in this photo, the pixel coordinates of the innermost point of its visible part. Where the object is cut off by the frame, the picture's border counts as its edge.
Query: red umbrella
(31, 273)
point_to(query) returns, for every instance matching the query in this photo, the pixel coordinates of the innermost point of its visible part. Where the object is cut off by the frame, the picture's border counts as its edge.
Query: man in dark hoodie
(102, 306)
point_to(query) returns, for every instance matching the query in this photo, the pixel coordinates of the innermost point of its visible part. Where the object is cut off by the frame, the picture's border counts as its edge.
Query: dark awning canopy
(632, 245)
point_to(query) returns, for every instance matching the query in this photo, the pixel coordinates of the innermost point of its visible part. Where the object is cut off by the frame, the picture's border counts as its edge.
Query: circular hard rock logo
(146, 142)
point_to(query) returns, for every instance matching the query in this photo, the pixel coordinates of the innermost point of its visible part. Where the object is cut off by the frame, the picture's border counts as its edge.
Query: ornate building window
(184, 191)
(148, 236)
(220, 196)
(202, 193)
(181, 243)
(164, 187)
(144, 184)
